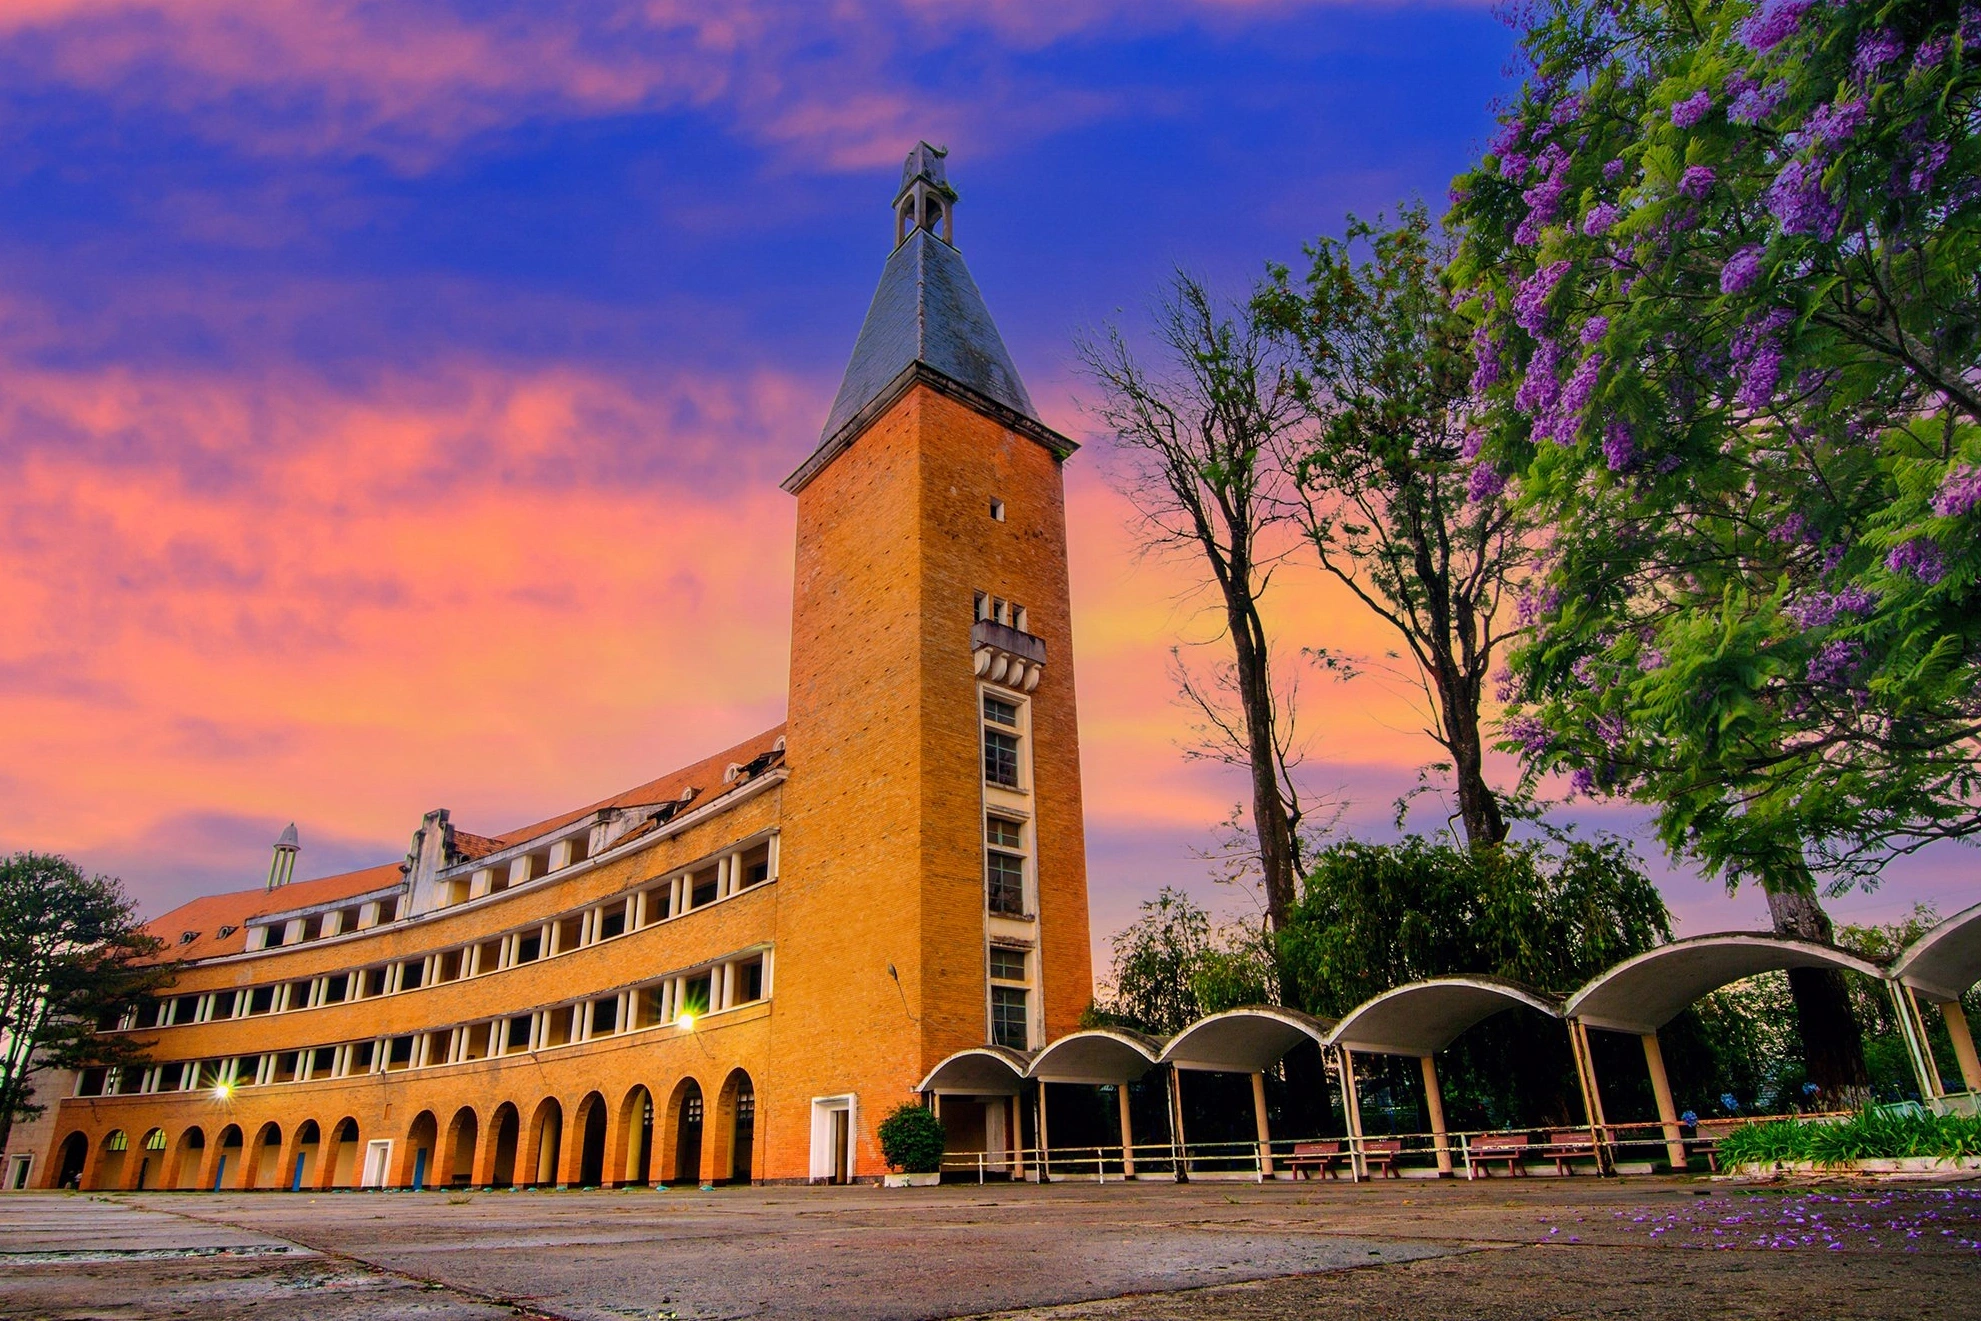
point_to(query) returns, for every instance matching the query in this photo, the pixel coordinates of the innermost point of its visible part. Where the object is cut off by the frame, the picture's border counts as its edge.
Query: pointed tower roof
(927, 322)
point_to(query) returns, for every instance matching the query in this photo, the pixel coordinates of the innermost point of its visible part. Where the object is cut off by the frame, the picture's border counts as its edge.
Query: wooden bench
(1317, 1156)
(1381, 1153)
(1567, 1145)
(1511, 1148)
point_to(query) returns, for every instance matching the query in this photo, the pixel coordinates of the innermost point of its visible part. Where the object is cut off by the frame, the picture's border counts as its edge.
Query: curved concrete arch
(1644, 993)
(1096, 1055)
(979, 1071)
(1247, 1040)
(1946, 961)
(1423, 1018)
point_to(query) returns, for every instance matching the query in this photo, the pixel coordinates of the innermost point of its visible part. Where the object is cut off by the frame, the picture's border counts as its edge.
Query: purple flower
(1594, 329)
(1513, 165)
(1471, 443)
(1925, 167)
(1742, 269)
(1581, 781)
(1801, 204)
(1486, 361)
(1755, 103)
(1532, 605)
(1485, 485)
(1612, 170)
(1509, 137)
(1876, 49)
(1619, 450)
(1697, 181)
(1601, 217)
(1565, 109)
(1529, 733)
(1757, 358)
(1821, 609)
(1833, 664)
(1774, 24)
(1544, 198)
(1930, 53)
(1692, 109)
(1919, 557)
(1530, 304)
(1505, 688)
(1830, 124)
(1960, 493)
(1650, 658)
(1790, 530)
(1611, 730)
(1576, 392)
(1540, 387)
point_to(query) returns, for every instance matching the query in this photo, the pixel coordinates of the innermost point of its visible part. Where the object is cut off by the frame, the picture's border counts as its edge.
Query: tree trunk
(1269, 814)
(1832, 1042)
(1478, 805)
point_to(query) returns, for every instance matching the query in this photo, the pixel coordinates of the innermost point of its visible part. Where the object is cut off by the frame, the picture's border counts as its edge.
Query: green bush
(911, 1140)
(1878, 1134)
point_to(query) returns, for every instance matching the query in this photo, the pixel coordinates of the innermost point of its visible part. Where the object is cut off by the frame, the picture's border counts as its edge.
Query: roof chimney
(282, 867)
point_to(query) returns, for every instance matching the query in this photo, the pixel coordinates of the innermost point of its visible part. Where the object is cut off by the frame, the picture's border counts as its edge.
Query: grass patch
(1878, 1134)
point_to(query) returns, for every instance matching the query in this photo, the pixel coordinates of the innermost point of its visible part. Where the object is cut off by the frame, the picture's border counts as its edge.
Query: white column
(775, 836)
(728, 985)
(677, 895)
(519, 869)
(1434, 1102)
(1963, 1044)
(1265, 1129)
(769, 962)
(1654, 1060)
(1127, 1129)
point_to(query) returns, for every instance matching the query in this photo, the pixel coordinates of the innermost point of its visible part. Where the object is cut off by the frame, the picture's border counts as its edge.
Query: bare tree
(1203, 445)
(1388, 500)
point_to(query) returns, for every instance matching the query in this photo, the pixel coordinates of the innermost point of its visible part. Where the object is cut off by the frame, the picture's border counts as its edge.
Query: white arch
(1096, 1055)
(1247, 1040)
(1422, 1018)
(1945, 961)
(1644, 993)
(978, 1071)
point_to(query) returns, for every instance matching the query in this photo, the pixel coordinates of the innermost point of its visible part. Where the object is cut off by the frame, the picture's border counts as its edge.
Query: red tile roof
(207, 915)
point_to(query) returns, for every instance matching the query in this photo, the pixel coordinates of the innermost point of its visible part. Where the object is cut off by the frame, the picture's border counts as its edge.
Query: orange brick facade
(782, 940)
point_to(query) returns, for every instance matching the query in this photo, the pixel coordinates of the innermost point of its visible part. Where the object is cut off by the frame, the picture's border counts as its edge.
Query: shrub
(1877, 1134)
(911, 1140)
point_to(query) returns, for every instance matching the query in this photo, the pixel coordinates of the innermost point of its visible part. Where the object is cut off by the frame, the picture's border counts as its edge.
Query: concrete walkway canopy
(979, 1071)
(1422, 1018)
(1946, 960)
(1099, 1055)
(1248, 1040)
(1644, 993)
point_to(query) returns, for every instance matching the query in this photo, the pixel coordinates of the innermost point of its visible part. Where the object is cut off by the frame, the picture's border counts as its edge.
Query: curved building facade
(731, 972)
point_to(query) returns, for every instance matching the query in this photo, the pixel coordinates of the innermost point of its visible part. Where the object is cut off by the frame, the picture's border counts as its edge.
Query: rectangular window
(1000, 712)
(488, 957)
(363, 1055)
(399, 1053)
(750, 981)
(447, 967)
(150, 1013)
(605, 1017)
(529, 947)
(1004, 833)
(335, 988)
(299, 995)
(261, 999)
(612, 922)
(1007, 964)
(557, 1026)
(285, 1067)
(1007, 883)
(1000, 759)
(517, 1037)
(704, 888)
(568, 932)
(323, 1061)
(412, 973)
(92, 1082)
(185, 1009)
(247, 1071)
(1008, 1018)
(695, 996)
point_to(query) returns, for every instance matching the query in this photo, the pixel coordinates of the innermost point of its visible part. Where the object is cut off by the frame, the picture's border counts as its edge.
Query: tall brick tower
(934, 891)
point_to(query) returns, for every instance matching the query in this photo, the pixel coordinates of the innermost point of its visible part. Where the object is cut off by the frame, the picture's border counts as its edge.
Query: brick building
(730, 972)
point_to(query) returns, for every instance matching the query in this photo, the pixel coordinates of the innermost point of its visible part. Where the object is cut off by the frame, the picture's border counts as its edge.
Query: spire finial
(282, 867)
(926, 201)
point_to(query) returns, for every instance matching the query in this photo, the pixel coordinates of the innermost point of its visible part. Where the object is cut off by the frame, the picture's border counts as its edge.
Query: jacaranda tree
(1723, 263)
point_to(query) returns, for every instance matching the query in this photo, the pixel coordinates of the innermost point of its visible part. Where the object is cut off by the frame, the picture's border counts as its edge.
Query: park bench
(1512, 1149)
(1565, 1146)
(1710, 1132)
(1381, 1153)
(1318, 1156)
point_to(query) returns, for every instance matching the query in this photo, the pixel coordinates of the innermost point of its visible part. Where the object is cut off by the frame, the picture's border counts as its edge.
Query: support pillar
(1963, 1044)
(1127, 1134)
(1017, 1137)
(1178, 1145)
(1045, 1145)
(1913, 1032)
(1654, 1060)
(1592, 1096)
(1265, 1128)
(1351, 1113)
(1434, 1103)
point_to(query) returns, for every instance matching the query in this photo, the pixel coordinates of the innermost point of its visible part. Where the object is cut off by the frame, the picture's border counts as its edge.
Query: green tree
(1171, 968)
(1389, 498)
(73, 957)
(912, 1139)
(1723, 265)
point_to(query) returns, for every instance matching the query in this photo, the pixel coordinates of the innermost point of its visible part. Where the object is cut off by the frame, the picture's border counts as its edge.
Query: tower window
(1006, 872)
(1000, 759)
(1007, 964)
(1000, 712)
(1008, 1017)
(997, 510)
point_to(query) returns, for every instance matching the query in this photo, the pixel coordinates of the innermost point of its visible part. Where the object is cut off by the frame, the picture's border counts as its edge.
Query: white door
(378, 1160)
(833, 1139)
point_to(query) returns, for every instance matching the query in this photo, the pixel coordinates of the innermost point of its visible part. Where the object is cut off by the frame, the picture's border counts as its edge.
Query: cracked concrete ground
(1535, 1248)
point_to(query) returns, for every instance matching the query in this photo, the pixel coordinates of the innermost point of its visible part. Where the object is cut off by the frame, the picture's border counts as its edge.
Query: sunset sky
(393, 396)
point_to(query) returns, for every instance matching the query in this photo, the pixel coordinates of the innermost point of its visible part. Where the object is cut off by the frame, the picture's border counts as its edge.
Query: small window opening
(997, 510)
(1007, 964)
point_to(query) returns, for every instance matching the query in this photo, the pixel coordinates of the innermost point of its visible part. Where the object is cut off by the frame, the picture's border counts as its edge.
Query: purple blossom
(1471, 443)
(1755, 103)
(1619, 450)
(1925, 167)
(1513, 165)
(1857, 600)
(1697, 181)
(1510, 135)
(1601, 218)
(1692, 109)
(1485, 485)
(1540, 387)
(1821, 609)
(1960, 493)
(1594, 329)
(1505, 688)
(1831, 124)
(1833, 664)
(1919, 557)
(1584, 671)
(1875, 49)
(1582, 781)
(1529, 733)
(1612, 170)
(1757, 358)
(1930, 53)
(1531, 606)
(1774, 24)
(1801, 204)
(1565, 109)
(1530, 304)
(1970, 25)
(1742, 269)
(1833, 557)
(1486, 370)
(1651, 658)
(1790, 530)
(1577, 391)
(1544, 198)
(1611, 730)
